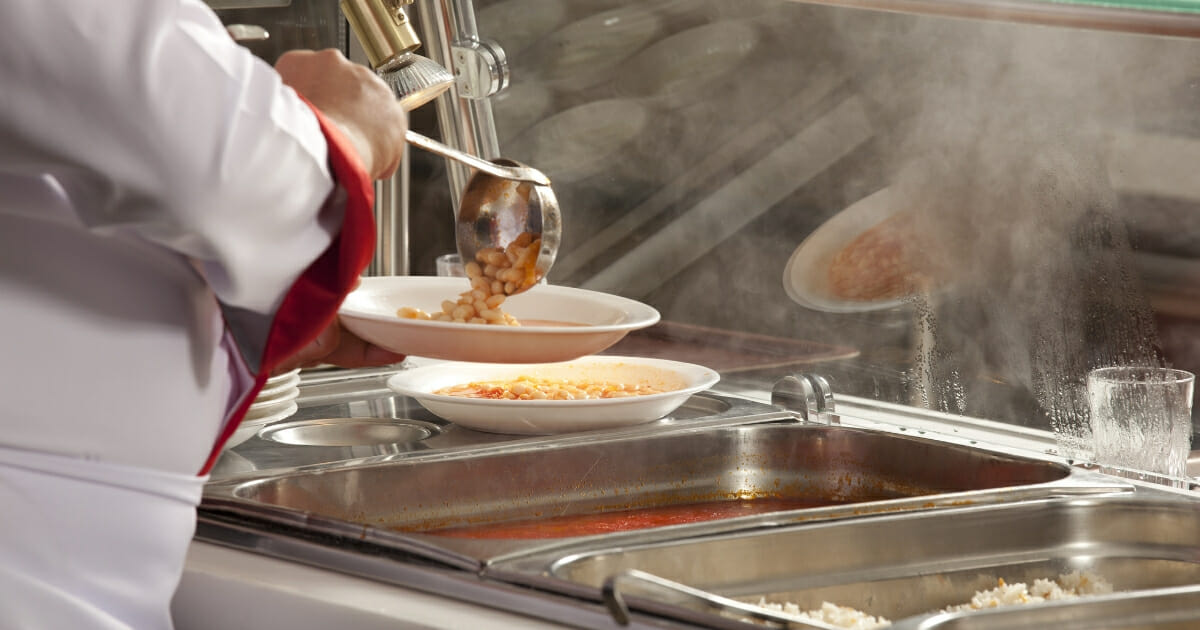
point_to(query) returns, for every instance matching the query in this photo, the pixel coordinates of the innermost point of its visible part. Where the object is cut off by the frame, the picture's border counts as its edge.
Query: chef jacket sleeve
(156, 123)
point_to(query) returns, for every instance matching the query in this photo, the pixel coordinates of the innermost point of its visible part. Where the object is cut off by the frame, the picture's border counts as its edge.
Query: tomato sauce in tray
(626, 520)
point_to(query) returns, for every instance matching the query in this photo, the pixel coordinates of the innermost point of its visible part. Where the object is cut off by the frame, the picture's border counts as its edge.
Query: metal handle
(382, 28)
(614, 600)
(518, 173)
(810, 395)
(247, 32)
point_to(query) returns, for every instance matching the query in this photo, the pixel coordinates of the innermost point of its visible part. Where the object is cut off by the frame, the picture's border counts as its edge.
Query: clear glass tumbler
(1141, 419)
(450, 265)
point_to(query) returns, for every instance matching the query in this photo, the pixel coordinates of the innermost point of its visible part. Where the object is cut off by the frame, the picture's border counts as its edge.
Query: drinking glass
(1141, 419)
(450, 265)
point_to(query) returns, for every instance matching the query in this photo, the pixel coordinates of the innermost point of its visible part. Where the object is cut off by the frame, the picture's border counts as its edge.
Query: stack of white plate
(276, 401)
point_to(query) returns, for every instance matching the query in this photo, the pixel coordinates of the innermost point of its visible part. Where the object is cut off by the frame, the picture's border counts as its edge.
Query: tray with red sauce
(470, 507)
(591, 524)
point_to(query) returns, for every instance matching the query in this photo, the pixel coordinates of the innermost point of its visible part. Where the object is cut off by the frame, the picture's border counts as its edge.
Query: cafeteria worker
(178, 220)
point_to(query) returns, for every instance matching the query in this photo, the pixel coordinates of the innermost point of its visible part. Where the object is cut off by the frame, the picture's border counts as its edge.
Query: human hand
(337, 346)
(355, 99)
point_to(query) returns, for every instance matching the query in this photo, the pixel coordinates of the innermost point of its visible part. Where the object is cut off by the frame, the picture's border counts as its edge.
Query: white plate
(251, 425)
(806, 276)
(273, 389)
(269, 407)
(286, 376)
(268, 404)
(599, 319)
(536, 417)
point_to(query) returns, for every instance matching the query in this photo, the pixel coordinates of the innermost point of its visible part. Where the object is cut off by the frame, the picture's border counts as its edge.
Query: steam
(1000, 156)
(996, 137)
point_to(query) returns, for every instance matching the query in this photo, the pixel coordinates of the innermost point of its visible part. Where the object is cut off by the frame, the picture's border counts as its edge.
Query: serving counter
(887, 510)
(902, 232)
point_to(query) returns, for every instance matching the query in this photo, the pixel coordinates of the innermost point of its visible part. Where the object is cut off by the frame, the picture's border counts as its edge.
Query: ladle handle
(614, 600)
(519, 173)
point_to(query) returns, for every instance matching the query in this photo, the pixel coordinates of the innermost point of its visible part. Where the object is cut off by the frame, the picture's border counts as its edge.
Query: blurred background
(950, 214)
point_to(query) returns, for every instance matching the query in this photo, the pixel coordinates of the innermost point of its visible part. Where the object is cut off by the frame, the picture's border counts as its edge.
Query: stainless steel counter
(360, 480)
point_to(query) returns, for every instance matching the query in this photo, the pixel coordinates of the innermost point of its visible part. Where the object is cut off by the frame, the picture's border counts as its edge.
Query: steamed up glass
(450, 265)
(1141, 419)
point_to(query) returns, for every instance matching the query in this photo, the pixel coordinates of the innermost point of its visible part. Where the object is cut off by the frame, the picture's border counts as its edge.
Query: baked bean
(534, 388)
(494, 274)
(493, 257)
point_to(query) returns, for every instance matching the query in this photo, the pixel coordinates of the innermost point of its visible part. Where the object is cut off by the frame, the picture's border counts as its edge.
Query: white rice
(840, 616)
(1067, 586)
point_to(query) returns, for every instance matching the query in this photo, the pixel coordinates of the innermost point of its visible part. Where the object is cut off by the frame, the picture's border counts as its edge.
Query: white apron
(66, 563)
(160, 192)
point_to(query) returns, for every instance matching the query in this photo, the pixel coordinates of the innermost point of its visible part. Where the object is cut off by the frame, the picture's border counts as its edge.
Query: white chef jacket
(160, 194)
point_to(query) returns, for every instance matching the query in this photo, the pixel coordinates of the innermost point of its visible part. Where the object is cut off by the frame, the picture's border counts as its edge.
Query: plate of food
(866, 257)
(552, 323)
(598, 392)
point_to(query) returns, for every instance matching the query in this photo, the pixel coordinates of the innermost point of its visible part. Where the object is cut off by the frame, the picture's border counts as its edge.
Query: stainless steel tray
(394, 502)
(907, 566)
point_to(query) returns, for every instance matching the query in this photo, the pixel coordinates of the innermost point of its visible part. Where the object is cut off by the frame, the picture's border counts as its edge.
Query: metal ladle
(502, 200)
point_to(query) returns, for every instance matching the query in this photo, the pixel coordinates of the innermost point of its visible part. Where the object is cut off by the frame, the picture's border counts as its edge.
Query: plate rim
(285, 412)
(711, 378)
(642, 315)
(802, 293)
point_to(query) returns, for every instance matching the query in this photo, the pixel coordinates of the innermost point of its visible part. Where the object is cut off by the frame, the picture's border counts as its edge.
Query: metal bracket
(247, 32)
(480, 68)
(809, 395)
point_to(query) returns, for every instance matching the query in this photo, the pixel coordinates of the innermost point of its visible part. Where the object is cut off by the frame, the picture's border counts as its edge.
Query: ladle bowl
(495, 211)
(503, 200)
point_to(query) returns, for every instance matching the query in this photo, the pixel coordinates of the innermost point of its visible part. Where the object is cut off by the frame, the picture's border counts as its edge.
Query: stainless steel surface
(361, 394)
(614, 600)
(497, 212)
(483, 68)
(416, 80)
(503, 200)
(369, 432)
(809, 395)
(295, 546)
(465, 124)
(391, 223)
(395, 502)
(388, 40)
(933, 521)
(909, 565)
(247, 32)
(504, 169)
